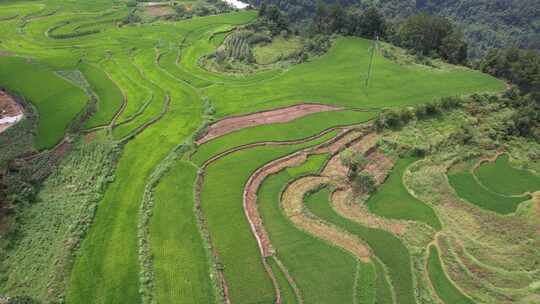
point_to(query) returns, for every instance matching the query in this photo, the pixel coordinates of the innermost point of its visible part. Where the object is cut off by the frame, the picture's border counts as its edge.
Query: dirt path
(10, 111)
(536, 199)
(344, 204)
(292, 204)
(280, 115)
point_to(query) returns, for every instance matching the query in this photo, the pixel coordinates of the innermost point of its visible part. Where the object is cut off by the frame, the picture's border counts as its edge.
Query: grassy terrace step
(385, 246)
(384, 294)
(393, 200)
(180, 261)
(110, 96)
(57, 101)
(323, 273)
(168, 60)
(366, 283)
(221, 201)
(134, 86)
(287, 292)
(106, 269)
(296, 129)
(468, 189)
(501, 177)
(445, 289)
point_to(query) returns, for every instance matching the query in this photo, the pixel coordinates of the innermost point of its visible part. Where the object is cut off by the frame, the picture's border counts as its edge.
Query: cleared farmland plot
(294, 130)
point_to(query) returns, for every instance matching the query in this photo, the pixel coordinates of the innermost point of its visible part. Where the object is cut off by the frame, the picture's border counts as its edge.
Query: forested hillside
(487, 23)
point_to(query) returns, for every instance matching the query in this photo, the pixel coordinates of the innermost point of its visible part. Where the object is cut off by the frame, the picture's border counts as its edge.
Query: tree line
(422, 34)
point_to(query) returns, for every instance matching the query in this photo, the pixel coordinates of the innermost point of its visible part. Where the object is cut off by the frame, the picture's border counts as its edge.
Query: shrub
(364, 182)
(22, 300)
(353, 160)
(432, 109)
(448, 103)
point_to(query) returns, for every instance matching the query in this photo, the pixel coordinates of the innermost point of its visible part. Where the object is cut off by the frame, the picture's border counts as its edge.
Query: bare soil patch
(361, 144)
(158, 10)
(250, 197)
(6, 53)
(10, 111)
(379, 165)
(281, 115)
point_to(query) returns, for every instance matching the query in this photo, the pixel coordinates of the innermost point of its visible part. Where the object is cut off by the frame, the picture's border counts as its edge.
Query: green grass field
(393, 200)
(388, 248)
(445, 289)
(279, 48)
(336, 79)
(501, 177)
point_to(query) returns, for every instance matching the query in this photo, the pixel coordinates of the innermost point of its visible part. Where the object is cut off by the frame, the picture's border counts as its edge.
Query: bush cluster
(396, 118)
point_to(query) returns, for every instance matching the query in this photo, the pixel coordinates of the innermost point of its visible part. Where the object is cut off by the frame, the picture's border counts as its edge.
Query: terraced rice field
(173, 222)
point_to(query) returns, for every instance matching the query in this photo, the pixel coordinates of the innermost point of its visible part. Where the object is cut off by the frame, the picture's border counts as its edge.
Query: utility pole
(371, 56)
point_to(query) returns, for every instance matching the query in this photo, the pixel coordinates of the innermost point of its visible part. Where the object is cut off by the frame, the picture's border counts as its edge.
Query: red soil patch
(281, 115)
(158, 10)
(250, 197)
(88, 138)
(379, 165)
(10, 111)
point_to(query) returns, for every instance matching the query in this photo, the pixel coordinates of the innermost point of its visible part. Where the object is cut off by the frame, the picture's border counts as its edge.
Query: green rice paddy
(467, 187)
(388, 248)
(148, 76)
(501, 177)
(305, 256)
(446, 290)
(393, 200)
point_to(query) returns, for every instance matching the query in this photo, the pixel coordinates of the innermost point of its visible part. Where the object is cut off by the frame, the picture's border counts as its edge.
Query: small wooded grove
(522, 68)
(485, 23)
(422, 34)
